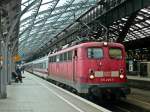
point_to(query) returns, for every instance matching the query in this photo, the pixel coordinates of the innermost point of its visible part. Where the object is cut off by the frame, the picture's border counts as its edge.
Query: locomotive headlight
(91, 74)
(121, 76)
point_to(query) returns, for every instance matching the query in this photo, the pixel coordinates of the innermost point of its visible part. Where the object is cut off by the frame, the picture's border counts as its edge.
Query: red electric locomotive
(97, 68)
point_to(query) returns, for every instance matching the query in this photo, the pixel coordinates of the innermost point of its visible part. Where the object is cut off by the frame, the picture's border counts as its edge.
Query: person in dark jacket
(18, 71)
(15, 77)
(22, 69)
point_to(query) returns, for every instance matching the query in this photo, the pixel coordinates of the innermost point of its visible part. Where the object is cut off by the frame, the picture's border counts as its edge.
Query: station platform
(139, 78)
(38, 95)
(139, 82)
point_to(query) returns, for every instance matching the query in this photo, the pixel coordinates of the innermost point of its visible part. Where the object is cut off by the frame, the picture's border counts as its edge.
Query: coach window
(95, 53)
(65, 56)
(57, 58)
(54, 59)
(70, 55)
(50, 59)
(61, 57)
(44, 65)
(41, 65)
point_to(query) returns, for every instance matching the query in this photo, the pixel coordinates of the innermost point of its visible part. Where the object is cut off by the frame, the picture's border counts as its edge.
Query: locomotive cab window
(95, 53)
(115, 53)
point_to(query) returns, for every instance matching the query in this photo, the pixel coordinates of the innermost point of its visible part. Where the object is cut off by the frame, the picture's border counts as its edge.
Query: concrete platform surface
(139, 82)
(139, 78)
(38, 95)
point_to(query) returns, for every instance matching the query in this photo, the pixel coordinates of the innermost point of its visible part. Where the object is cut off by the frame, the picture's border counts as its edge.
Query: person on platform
(19, 75)
(22, 69)
(14, 76)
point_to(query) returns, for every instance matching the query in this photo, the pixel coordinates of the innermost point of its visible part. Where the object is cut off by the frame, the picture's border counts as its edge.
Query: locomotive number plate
(107, 79)
(115, 73)
(99, 74)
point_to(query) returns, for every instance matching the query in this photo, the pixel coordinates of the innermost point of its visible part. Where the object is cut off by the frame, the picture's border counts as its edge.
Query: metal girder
(126, 27)
(107, 17)
(86, 14)
(59, 8)
(139, 24)
(34, 17)
(48, 15)
(15, 22)
(123, 10)
(67, 19)
(50, 31)
(45, 18)
(71, 10)
(44, 33)
(56, 19)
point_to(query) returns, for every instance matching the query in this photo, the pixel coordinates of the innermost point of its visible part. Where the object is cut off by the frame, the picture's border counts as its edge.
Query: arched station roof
(45, 19)
(140, 28)
(138, 35)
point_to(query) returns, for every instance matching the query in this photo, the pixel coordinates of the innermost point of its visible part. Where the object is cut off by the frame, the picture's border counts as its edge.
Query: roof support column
(5, 55)
(3, 76)
(9, 58)
(3, 71)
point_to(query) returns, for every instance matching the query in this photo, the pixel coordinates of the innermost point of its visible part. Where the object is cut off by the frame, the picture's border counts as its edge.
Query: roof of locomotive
(87, 44)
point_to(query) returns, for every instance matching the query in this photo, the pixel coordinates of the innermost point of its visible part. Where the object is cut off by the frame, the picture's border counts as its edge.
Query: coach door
(74, 65)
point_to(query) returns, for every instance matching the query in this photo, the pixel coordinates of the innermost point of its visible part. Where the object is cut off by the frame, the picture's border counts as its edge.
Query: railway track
(133, 103)
(123, 106)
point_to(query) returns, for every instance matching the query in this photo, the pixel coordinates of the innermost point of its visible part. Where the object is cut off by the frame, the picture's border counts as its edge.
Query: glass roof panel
(144, 10)
(139, 25)
(46, 1)
(140, 17)
(45, 22)
(61, 3)
(29, 13)
(44, 7)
